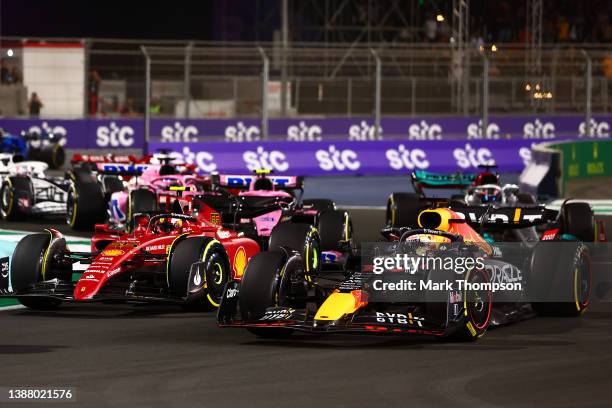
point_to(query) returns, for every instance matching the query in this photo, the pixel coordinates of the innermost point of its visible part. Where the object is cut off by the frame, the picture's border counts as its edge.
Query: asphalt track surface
(157, 356)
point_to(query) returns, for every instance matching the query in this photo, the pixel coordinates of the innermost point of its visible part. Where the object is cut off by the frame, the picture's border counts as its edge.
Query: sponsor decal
(114, 135)
(113, 252)
(337, 159)
(472, 157)
(215, 218)
(113, 272)
(152, 248)
(598, 129)
(364, 131)
(231, 293)
(242, 133)
(179, 133)
(4, 268)
(263, 159)
(223, 234)
(302, 132)
(90, 277)
(474, 131)
(398, 318)
(425, 131)
(277, 314)
(402, 158)
(539, 130)
(504, 273)
(550, 234)
(197, 279)
(240, 262)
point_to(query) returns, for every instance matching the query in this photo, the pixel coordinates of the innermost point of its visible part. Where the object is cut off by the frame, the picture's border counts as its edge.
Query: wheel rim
(217, 272)
(478, 303)
(70, 208)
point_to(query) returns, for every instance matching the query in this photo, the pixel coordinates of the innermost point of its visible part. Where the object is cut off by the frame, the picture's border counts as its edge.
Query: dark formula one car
(169, 257)
(45, 147)
(279, 295)
(255, 204)
(483, 188)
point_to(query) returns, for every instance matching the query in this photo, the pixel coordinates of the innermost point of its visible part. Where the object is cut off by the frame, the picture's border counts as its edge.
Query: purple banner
(85, 133)
(129, 133)
(340, 157)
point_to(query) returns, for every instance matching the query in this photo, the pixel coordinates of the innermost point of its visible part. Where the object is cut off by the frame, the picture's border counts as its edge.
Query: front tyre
(213, 272)
(259, 290)
(15, 189)
(31, 264)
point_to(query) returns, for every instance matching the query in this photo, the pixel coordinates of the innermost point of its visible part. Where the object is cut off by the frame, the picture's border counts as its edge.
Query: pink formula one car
(257, 204)
(115, 191)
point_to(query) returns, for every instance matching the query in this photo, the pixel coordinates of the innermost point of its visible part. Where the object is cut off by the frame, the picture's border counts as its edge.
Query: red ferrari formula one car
(168, 257)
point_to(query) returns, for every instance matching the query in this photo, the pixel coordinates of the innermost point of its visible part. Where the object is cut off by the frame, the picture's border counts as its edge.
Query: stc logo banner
(343, 157)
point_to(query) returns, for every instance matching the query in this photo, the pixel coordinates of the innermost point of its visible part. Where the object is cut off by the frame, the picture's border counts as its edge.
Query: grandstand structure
(352, 58)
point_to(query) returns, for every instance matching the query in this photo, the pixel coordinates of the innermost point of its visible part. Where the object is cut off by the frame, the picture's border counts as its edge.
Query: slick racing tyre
(85, 204)
(259, 290)
(560, 280)
(336, 231)
(32, 263)
(475, 314)
(15, 189)
(141, 201)
(53, 154)
(403, 210)
(303, 238)
(577, 219)
(320, 204)
(213, 273)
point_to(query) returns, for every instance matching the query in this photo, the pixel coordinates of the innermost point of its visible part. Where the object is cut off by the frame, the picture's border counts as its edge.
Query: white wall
(57, 75)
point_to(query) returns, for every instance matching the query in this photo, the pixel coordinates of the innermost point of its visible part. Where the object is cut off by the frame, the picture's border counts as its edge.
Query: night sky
(110, 18)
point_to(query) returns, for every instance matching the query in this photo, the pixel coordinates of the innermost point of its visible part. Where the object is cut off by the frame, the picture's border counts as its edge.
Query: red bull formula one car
(279, 294)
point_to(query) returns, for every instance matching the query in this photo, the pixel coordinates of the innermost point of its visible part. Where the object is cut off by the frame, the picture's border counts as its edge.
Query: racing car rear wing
(122, 169)
(425, 179)
(506, 217)
(243, 181)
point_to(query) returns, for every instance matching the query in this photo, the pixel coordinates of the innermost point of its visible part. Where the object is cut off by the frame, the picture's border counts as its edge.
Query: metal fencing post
(589, 94)
(485, 95)
(187, 79)
(284, 50)
(87, 50)
(377, 94)
(147, 107)
(265, 75)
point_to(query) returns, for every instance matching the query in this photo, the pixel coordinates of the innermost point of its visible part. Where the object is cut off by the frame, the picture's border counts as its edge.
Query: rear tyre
(54, 155)
(578, 220)
(30, 265)
(303, 238)
(85, 204)
(560, 279)
(259, 290)
(13, 189)
(336, 231)
(215, 272)
(403, 210)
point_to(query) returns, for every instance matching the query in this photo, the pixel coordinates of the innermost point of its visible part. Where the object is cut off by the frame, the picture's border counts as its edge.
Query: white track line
(14, 307)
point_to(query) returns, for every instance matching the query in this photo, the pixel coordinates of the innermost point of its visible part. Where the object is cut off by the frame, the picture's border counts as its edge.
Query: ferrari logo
(240, 261)
(214, 218)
